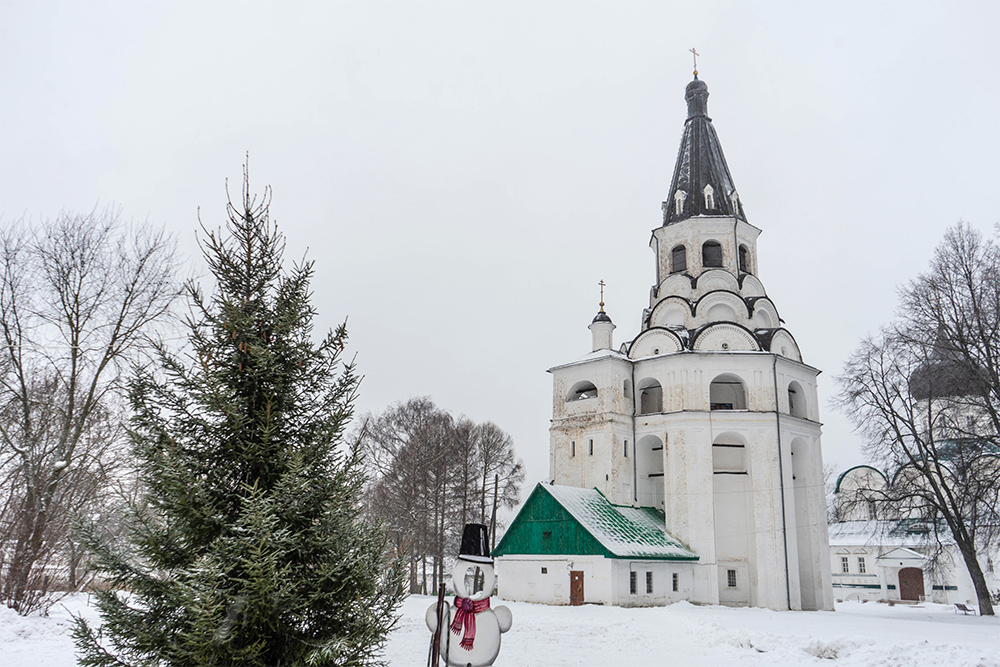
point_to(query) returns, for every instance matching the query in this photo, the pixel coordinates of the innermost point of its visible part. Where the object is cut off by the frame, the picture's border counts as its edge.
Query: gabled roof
(700, 162)
(587, 523)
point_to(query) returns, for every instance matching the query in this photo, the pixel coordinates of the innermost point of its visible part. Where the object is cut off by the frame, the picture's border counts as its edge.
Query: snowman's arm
(504, 617)
(432, 616)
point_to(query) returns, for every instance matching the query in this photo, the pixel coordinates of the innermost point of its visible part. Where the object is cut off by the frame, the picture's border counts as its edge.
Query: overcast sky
(463, 174)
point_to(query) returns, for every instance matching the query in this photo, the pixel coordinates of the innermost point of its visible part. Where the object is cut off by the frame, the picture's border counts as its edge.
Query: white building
(880, 553)
(709, 414)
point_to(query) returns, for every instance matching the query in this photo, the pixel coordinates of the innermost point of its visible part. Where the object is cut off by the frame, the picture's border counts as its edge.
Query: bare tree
(430, 475)
(77, 297)
(925, 393)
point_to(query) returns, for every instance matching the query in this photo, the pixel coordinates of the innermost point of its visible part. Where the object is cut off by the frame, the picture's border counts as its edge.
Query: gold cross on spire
(602, 294)
(695, 53)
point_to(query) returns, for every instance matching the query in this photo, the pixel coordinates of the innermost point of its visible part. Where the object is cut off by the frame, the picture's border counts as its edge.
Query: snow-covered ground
(681, 634)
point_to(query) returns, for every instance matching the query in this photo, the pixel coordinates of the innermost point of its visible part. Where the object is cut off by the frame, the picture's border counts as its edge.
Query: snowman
(474, 628)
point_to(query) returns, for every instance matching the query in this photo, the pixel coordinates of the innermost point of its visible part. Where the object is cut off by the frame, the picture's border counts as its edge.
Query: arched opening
(727, 393)
(627, 389)
(650, 397)
(734, 518)
(744, 259)
(649, 471)
(678, 259)
(581, 391)
(796, 400)
(711, 254)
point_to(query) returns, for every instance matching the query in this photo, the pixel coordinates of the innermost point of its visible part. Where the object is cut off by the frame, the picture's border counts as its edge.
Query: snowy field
(678, 635)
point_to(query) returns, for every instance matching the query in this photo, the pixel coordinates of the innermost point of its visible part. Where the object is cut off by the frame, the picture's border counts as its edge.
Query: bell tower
(708, 413)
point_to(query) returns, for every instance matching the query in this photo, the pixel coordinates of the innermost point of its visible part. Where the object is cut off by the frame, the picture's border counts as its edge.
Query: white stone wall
(606, 580)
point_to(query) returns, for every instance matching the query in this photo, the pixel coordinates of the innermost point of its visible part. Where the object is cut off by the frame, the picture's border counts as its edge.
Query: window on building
(711, 254)
(626, 449)
(572, 448)
(678, 259)
(679, 198)
(633, 583)
(709, 197)
(730, 578)
(845, 564)
(744, 259)
(861, 564)
(591, 447)
(675, 582)
(649, 582)
(581, 391)
(545, 570)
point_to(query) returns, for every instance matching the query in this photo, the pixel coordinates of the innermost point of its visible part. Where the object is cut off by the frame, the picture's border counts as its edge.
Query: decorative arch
(725, 337)
(678, 284)
(850, 474)
(765, 315)
(782, 343)
(751, 286)
(705, 304)
(671, 311)
(717, 279)
(581, 391)
(727, 392)
(654, 342)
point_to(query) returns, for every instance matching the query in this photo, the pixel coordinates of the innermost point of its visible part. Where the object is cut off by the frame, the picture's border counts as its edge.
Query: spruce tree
(250, 547)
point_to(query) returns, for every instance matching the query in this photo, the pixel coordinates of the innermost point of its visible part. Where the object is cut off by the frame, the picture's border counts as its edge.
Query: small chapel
(685, 463)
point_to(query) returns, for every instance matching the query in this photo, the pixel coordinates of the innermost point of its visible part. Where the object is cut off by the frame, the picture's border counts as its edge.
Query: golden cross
(695, 61)
(602, 294)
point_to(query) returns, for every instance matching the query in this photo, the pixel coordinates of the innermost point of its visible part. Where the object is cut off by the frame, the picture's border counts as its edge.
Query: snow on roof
(627, 532)
(592, 356)
(903, 533)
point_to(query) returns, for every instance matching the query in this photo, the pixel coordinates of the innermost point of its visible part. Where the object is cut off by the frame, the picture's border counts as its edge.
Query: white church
(685, 463)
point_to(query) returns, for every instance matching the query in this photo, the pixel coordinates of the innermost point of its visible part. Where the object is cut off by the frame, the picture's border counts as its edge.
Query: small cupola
(602, 328)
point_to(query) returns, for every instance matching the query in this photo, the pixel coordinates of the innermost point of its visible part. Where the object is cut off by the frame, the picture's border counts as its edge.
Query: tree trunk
(978, 580)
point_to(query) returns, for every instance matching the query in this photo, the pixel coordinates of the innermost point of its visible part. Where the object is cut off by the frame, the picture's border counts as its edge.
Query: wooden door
(576, 587)
(911, 583)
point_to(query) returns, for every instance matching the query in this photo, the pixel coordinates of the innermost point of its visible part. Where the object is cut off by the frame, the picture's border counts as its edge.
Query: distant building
(878, 552)
(708, 419)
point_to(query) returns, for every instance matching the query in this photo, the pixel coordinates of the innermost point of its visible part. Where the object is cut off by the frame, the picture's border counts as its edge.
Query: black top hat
(475, 544)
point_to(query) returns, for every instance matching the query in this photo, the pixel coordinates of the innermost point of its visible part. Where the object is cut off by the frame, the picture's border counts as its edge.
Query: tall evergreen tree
(250, 549)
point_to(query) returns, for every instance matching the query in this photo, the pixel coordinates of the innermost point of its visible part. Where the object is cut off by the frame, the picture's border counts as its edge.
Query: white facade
(544, 580)
(709, 412)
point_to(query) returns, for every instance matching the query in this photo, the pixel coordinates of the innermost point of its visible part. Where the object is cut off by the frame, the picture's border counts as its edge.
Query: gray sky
(463, 174)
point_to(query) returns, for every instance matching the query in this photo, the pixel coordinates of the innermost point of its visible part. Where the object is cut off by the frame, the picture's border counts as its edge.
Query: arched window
(744, 259)
(709, 198)
(581, 391)
(679, 197)
(727, 393)
(711, 254)
(678, 259)
(650, 397)
(796, 400)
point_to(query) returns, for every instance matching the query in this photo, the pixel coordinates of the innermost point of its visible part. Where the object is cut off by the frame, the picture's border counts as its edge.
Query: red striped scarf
(466, 615)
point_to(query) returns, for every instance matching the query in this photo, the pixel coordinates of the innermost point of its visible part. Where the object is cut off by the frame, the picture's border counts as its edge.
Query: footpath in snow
(682, 634)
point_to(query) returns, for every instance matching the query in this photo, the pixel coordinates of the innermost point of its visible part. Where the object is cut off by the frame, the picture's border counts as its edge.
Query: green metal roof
(572, 521)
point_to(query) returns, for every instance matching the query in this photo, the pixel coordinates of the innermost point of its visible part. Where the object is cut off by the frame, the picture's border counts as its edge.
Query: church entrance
(576, 588)
(911, 583)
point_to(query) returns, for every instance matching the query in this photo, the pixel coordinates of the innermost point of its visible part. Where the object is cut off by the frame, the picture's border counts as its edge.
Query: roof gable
(584, 522)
